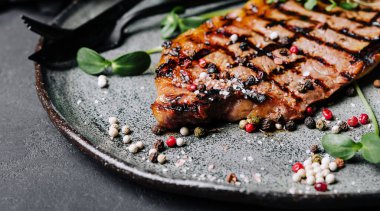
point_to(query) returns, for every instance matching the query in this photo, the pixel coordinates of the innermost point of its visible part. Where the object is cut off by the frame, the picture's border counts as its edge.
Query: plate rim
(185, 187)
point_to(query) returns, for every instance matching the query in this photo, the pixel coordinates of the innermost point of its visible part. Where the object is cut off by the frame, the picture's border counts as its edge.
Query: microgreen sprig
(130, 64)
(173, 23)
(310, 4)
(344, 147)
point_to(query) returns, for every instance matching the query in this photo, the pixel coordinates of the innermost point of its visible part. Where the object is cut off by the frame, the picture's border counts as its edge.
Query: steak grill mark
(260, 54)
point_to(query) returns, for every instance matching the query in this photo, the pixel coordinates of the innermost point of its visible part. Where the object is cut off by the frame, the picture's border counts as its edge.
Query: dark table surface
(39, 168)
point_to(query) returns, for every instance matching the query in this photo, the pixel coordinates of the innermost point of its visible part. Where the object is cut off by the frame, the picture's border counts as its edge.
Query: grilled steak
(244, 63)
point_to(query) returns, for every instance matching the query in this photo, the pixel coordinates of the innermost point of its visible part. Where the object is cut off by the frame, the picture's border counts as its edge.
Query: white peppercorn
(127, 139)
(161, 158)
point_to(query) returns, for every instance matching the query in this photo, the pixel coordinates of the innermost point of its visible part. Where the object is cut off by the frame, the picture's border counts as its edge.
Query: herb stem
(154, 50)
(368, 107)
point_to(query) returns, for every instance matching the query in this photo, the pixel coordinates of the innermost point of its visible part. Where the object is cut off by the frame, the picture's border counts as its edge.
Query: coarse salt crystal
(234, 38)
(273, 35)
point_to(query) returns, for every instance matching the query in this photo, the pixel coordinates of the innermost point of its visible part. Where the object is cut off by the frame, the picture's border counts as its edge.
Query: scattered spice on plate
(161, 158)
(310, 122)
(180, 142)
(353, 121)
(321, 124)
(315, 171)
(376, 83)
(339, 162)
(157, 130)
(153, 157)
(140, 145)
(242, 124)
(199, 132)
(314, 148)
(113, 120)
(290, 125)
(184, 131)
(171, 141)
(327, 113)
(363, 119)
(250, 128)
(102, 81)
(231, 178)
(159, 145)
(126, 130)
(127, 139)
(133, 148)
(343, 126)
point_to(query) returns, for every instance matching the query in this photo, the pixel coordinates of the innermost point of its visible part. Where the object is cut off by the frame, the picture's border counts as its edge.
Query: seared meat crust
(240, 64)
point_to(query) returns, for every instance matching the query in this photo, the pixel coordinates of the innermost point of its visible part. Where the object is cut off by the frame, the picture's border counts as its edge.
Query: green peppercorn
(290, 125)
(316, 158)
(199, 132)
(267, 125)
(310, 122)
(242, 124)
(321, 124)
(253, 119)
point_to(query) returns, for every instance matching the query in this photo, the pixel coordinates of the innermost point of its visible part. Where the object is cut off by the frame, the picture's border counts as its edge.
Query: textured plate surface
(80, 110)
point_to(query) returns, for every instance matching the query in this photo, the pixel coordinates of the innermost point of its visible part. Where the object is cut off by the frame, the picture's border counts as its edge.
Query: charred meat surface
(244, 64)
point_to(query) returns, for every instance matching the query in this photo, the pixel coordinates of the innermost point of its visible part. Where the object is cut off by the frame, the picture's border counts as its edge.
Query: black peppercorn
(157, 130)
(267, 125)
(153, 157)
(211, 68)
(314, 148)
(243, 46)
(159, 145)
(290, 125)
(310, 122)
(202, 87)
(343, 126)
(166, 44)
(309, 85)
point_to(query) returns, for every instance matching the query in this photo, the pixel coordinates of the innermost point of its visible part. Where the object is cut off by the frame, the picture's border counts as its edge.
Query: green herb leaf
(131, 64)
(331, 6)
(91, 62)
(348, 5)
(190, 23)
(310, 4)
(340, 146)
(371, 147)
(170, 22)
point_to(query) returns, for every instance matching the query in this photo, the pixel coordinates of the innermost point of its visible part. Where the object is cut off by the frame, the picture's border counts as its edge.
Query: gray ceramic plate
(80, 110)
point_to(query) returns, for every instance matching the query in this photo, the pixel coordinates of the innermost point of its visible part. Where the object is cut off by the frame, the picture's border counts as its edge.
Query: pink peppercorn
(249, 128)
(353, 121)
(293, 49)
(297, 166)
(320, 186)
(202, 63)
(171, 141)
(327, 114)
(363, 119)
(310, 111)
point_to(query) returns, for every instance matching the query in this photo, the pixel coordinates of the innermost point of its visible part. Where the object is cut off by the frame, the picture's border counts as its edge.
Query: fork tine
(47, 31)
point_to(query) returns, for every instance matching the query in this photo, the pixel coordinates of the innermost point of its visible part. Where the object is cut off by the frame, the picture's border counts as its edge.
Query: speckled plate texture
(262, 162)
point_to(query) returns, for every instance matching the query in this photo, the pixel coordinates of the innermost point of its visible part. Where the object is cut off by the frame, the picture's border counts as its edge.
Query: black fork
(64, 43)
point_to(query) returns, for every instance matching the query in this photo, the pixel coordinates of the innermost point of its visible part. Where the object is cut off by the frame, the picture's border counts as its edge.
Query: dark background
(39, 168)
